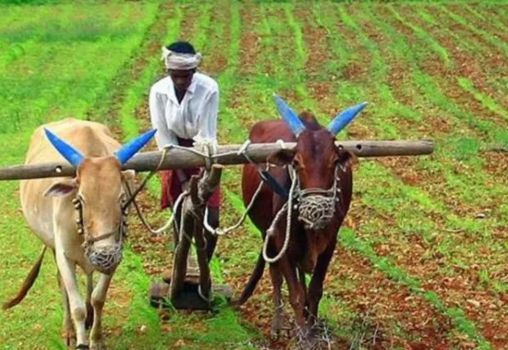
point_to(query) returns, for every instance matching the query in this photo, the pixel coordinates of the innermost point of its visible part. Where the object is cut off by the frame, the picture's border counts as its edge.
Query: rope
(289, 208)
(317, 206)
(221, 232)
(143, 184)
(164, 227)
(210, 157)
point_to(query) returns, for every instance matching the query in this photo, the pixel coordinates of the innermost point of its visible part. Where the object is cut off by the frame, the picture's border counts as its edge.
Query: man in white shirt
(183, 106)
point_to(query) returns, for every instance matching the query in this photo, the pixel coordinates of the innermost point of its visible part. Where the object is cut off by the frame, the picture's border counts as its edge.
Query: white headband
(180, 61)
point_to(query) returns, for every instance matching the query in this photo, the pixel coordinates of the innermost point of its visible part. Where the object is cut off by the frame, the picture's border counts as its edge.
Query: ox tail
(253, 281)
(27, 284)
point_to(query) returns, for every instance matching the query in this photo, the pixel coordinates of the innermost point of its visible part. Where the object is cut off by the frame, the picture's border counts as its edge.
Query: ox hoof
(97, 346)
(70, 336)
(280, 328)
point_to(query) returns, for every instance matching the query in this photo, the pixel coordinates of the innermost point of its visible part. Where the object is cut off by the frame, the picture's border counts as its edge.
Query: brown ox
(323, 194)
(81, 219)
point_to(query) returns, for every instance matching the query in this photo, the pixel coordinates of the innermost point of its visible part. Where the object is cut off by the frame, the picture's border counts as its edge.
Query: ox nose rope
(88, 239)
(269, 233)
(316, 207)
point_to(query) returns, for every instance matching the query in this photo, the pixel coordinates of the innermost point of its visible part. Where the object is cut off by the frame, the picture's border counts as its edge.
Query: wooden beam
(177, 158)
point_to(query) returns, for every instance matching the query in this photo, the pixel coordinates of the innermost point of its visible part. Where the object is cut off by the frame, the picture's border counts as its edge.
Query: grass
(484, 99)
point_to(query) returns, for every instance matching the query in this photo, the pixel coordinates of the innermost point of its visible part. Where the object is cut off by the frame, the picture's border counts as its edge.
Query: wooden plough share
(193, 210)
(182, 293)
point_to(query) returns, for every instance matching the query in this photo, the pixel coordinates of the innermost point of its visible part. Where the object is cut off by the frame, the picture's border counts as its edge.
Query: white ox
(81, 219)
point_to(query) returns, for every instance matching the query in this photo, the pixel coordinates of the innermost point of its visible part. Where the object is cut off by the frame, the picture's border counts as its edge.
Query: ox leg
(301, 278)
(315, 291)
(278, 318)
(296, 295)
(98, 299)
(89, 309)
(68, 328)
(67, 271)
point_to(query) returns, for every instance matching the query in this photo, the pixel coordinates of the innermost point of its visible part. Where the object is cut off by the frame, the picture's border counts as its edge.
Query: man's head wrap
(180, 61)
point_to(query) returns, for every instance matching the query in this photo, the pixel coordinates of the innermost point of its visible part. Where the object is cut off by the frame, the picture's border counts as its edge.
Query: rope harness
(315, 206)
(210, 154)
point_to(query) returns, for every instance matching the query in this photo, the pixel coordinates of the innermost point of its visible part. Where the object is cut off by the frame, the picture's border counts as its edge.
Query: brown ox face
(318, 165)
(318, 162)
(315, 159)
(99, 197)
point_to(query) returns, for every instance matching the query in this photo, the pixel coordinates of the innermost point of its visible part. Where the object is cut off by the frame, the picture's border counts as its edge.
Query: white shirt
(195, 116)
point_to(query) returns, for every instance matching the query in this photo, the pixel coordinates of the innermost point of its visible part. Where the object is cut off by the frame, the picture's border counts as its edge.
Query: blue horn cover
(345, 117)
(72, 155)
(133, 146)
(289, 116)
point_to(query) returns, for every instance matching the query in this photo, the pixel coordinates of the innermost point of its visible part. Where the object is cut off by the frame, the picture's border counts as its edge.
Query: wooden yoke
(193, 210)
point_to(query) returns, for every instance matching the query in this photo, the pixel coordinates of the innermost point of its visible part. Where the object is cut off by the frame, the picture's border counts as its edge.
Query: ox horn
(289, 116)
(345, 117)
(133, 146)
(72, 155)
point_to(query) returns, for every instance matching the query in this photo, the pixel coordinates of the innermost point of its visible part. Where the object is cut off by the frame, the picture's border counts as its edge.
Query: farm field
(421, 262)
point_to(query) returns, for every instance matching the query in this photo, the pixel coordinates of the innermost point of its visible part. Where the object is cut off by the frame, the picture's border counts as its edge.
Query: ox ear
(62, 188)
(289, 116)
(281, 157)
(345, 117)
(72, 155)
(346, 158)
(133, 146)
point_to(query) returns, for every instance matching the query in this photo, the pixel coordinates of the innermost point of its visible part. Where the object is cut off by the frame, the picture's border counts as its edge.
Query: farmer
(184, 107)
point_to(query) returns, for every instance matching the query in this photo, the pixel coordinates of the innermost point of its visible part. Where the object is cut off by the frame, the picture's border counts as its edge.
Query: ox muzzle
(104, 258)
(316, 206)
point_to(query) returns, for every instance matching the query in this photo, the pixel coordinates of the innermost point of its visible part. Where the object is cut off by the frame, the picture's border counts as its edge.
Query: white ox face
(99, 196)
